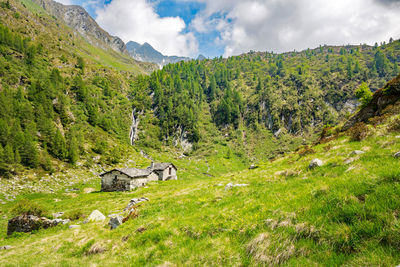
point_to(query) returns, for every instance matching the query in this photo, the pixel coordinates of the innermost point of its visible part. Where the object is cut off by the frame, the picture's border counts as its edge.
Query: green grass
(290, 215)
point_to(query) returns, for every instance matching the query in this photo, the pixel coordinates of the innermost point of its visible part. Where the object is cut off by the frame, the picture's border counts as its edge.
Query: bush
(74, 215)
(359, 131)
(394, 126)
(26, 207)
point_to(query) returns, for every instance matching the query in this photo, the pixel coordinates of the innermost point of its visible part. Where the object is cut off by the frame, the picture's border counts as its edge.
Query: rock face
(77, 18)
(147, 53)
(29, 223)
(96, 216)
(388, 95)
(315, 163)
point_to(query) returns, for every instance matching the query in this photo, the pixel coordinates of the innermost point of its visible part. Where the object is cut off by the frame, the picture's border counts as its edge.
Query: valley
(282, 158)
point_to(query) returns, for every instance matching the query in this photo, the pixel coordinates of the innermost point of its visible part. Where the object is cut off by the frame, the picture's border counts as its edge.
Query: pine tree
(8, 154)
(29, 152)
(58, 147)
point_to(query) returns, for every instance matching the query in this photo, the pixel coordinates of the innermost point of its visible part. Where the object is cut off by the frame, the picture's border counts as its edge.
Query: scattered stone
(350, 160)
(58, 214)
(141, 230)
(6, 247)
(230, 185)
(350, 168)
(277, 133)
(315, 163)
(96, 216)
(89, 190)
(135, 201)
(357, 152)
(397, 155)
(115, 222)
(252, 167)
(73, 226)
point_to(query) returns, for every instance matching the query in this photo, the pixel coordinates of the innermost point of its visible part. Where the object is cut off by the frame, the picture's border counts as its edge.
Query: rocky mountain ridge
(147, 53)
(77, 18)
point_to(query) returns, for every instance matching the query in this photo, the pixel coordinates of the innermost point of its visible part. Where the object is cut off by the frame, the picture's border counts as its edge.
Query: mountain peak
(147, 53)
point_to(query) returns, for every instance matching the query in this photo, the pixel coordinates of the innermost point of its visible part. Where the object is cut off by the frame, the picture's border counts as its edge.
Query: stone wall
(117, 181)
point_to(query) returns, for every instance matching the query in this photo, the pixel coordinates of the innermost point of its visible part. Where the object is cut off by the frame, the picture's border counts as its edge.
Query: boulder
(115, 222)
(230, 185)
(397, 155)
(135, 201)
(357, 152)
(58, 214)
(74, 226)
(6, 247)
(252, 167)
(96, 216)
(315, 163)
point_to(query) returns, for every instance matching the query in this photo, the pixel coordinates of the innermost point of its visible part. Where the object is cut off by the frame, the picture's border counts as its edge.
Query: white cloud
(285, 25)
(137, 21)
(65, 2)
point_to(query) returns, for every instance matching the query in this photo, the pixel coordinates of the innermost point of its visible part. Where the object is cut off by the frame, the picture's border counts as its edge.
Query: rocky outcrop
(29, 223)
(77, 18)
(382, 98)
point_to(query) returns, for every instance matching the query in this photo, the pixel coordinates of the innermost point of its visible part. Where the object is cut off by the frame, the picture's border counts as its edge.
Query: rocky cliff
(77, 18)
(384, 97)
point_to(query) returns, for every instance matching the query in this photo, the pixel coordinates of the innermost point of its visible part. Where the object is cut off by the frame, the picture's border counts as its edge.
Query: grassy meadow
(345, 212)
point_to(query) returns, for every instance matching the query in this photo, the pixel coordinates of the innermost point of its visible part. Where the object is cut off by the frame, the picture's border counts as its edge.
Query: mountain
(147, 53)
(201, 57)
(77, 18)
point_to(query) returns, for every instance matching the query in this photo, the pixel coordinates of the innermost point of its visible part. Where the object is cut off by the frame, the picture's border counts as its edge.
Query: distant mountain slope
(147, 53)
(77, 18)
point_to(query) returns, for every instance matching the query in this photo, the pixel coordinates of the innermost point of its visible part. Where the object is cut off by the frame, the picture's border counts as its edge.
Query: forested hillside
(62, 99)
(291, 94)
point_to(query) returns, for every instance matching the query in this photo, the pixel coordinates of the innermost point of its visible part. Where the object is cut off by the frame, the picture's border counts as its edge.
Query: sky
(231, 27)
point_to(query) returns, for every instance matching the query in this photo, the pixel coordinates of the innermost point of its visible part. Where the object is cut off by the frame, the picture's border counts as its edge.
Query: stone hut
(129, 178)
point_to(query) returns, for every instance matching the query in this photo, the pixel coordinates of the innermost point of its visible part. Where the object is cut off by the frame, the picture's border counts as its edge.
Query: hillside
(285, 213)
(259, 104)
(64, 101)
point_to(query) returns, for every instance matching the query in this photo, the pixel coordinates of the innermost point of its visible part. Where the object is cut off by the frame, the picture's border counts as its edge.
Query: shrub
(359, 131)
(394, 126)
(26, 207)
(364, 94)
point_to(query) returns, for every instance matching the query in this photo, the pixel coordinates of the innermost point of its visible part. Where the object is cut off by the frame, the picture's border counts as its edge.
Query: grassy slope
(336, 214)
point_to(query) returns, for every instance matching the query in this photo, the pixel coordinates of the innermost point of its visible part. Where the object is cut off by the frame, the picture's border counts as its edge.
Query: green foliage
(364, 94)
(28, 207)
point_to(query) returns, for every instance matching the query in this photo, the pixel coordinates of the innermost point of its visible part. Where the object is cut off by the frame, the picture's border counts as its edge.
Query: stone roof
(162, 166)
(132, 172)
(137, 173)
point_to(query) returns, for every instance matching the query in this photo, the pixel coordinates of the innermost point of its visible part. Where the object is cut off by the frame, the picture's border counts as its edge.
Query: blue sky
(231, 27)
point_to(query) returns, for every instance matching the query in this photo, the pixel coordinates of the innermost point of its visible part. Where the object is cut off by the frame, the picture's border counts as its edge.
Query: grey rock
(6, 247)
(397, 155)
(115, 222)
(58, 214)
(315, 163)
(230, 185)
(73, 226)
(253, 166)
(135, 201)
(29, 223)
(96, 216)
(357, 152)
(350, 160)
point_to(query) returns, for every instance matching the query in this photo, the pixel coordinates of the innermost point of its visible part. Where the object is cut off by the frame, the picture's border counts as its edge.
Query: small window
(170, 170)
